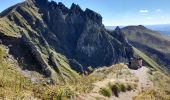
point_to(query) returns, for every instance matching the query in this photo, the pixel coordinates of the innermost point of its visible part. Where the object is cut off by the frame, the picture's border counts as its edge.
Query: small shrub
(67, 92)
(152, 94)
(122, 87)
(116, 89)
(167, 92)
(1, 83)
(57, 93)
(106, 92)
(135, 86)
(129, 87)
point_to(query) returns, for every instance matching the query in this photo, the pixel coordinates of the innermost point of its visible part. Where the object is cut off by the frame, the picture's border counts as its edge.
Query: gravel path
(143, 83)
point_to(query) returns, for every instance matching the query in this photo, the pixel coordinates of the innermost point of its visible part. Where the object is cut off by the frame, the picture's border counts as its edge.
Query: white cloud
(143, 11)
(158, 10)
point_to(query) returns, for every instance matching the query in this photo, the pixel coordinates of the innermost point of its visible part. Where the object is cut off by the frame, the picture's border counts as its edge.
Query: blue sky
(120, 12)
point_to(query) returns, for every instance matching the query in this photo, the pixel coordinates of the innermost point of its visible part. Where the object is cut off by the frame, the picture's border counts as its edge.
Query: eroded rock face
(73, 33)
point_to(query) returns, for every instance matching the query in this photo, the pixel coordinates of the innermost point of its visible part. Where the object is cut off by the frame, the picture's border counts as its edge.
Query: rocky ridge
(49, 37)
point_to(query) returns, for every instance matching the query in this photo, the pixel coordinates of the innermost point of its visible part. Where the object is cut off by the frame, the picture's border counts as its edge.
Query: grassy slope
(158, 76)
(14, 86)
(147, 41)
(12, 89)
(10, 28)
(147, 37)
(148, 60)
(65, 68)
(12, 83)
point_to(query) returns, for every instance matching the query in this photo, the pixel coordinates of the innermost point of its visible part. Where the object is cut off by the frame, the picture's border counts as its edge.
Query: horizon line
(137, 24)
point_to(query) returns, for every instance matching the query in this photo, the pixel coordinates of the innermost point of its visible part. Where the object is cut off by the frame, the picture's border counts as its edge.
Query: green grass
(12, 89)
(12, 83)
(14, 86)
(146, 37)
(160, 79)
(106, 92)
(151, 63)
(5, 27)
(152, 94)
(122, 87)
(65, 67)
(116, 89)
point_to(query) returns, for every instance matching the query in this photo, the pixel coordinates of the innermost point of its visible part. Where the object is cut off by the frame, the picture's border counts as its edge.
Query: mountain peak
(60, 4)
(117, 28)
(134, 27)
(93, 16)
(119, 35)
(39, 2)
(75, 8)
(142, 27)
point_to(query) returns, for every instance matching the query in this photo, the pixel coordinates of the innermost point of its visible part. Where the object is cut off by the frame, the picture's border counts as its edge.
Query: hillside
(51, 52)
(53, 47)
(150, 42)
(128, 82)
(162, 28)
(59, 41)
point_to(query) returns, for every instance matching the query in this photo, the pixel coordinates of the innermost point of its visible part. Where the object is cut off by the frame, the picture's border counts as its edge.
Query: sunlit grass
(12, 83)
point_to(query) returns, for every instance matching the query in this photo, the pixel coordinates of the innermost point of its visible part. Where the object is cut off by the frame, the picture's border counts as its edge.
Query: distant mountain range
(150, 42)
(162, 28)
(147, 38)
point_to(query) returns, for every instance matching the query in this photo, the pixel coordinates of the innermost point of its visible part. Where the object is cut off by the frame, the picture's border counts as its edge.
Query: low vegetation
(115, 79)
(152, 94)
(153, 43)
(160, 79)
(116, 88)
(150, 63)
(106, 91)
(13, 85)
(161, 82)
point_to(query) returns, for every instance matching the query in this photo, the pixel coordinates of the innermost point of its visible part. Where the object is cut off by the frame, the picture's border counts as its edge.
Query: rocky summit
(49, 37)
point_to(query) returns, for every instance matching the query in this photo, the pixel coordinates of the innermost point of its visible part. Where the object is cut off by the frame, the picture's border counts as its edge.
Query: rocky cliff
(50, 37)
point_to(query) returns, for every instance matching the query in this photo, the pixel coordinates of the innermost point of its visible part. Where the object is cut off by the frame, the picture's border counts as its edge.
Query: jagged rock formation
(59, 38)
